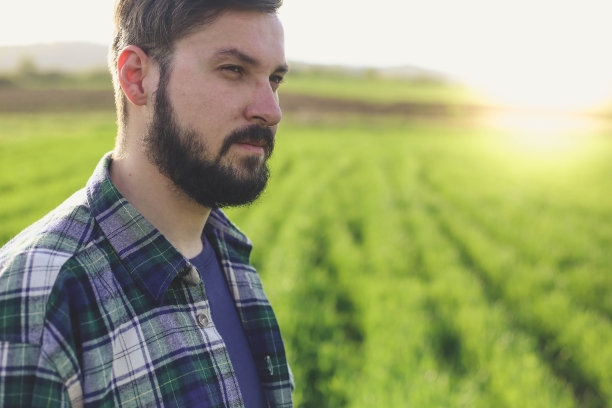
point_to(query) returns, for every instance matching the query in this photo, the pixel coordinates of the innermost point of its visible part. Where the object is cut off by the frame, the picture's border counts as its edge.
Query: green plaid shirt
(97, 308)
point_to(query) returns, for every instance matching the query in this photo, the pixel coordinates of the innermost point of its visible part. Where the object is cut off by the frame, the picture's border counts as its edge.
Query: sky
(539, 52)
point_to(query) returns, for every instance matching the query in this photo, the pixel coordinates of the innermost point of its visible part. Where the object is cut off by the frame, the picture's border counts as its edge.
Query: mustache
(253, 134)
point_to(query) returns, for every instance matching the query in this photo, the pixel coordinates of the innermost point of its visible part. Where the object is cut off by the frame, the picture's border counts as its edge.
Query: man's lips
(259, 143)
(256, 147)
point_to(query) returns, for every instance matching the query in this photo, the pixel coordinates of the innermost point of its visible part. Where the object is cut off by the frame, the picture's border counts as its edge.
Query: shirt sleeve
(27, 379)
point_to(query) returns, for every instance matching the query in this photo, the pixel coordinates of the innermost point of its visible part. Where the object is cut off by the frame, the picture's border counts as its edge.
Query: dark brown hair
(156, 25)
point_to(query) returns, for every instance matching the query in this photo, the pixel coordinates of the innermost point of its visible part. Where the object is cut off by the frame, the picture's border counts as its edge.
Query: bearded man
(137, 291)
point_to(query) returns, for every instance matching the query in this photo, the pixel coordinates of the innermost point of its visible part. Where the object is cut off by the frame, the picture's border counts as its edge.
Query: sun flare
(550, 133)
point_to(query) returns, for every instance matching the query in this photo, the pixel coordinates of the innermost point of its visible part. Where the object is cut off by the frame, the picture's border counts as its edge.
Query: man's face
(216, 110)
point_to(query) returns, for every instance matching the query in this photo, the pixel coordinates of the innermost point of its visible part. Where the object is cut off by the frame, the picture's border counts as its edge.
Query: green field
(377, 89)
(410, 264)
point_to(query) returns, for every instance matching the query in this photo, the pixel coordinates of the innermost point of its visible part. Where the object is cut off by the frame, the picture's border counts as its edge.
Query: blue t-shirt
(225, 317)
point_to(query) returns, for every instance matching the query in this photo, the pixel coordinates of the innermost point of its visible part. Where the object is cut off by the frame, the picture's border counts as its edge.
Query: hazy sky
(543, 51)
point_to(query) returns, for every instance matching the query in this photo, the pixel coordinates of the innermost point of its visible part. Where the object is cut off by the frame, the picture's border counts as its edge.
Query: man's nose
(264, 108)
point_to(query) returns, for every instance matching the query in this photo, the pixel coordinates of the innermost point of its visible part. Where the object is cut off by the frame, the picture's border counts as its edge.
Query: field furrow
(474, 331)
(536, 305)
(558, 239)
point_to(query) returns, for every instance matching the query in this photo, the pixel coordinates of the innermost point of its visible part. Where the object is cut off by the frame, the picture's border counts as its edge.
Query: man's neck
(179, 218)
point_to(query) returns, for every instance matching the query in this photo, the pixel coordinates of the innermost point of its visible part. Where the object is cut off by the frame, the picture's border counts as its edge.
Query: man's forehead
(253, 36)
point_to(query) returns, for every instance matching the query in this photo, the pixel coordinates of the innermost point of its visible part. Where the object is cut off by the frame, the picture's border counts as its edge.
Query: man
(137, 291)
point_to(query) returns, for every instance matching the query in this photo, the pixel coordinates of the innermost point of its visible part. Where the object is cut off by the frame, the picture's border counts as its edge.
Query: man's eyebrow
(282, 69)
(247, 59)
(235, 53)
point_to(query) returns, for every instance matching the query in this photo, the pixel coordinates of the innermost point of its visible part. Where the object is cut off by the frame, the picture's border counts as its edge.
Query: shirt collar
(149, 257)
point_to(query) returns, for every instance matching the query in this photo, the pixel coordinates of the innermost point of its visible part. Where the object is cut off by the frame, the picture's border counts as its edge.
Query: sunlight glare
(550, 90)
(550, 133)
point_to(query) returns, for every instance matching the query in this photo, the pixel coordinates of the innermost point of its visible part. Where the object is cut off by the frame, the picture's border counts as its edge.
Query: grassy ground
(378, 89)
(45, 157)
(417, 265)
(434, 266)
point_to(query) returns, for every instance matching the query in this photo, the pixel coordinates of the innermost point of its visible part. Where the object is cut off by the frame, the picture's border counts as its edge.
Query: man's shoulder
(63, 230)
(31, 262)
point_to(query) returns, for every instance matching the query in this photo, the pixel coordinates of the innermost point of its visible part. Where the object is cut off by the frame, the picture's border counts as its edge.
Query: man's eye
(233, 68)
(277, 79)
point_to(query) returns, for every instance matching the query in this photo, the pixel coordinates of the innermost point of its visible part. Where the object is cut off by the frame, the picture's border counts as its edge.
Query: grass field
(410, 264)
(377, 89)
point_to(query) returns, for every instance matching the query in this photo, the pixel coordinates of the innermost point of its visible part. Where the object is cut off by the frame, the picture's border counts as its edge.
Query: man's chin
(245, 167)
(230, 186)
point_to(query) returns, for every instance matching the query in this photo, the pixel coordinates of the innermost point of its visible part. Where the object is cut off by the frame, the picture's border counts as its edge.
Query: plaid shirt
(97, 308)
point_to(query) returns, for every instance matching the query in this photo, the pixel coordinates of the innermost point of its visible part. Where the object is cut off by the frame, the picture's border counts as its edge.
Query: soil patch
(21, 100)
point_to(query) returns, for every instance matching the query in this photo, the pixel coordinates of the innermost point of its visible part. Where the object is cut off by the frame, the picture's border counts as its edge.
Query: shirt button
(203, 320)
(270, 366)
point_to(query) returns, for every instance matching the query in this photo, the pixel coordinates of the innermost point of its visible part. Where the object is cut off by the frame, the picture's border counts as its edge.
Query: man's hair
(156, 25)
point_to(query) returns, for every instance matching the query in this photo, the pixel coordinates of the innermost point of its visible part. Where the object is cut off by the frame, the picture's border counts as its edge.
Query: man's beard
(181, 155)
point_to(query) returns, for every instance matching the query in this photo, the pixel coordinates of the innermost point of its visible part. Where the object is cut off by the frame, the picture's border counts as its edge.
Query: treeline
(29, 75)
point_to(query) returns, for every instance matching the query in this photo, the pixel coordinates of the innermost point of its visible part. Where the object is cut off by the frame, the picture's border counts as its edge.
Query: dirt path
(14, 100)
(19, 100)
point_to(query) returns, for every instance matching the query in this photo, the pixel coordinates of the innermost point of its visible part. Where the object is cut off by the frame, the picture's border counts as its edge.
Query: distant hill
(59, 56)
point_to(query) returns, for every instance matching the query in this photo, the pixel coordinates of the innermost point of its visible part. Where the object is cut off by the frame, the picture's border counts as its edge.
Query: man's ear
(133, 65)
